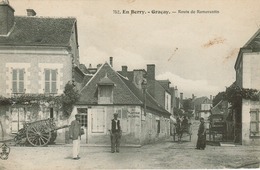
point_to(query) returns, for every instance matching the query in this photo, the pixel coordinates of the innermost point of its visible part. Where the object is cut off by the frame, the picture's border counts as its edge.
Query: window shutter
(47, 87)
(15, 90)
(54, 75)
(15, 87)
(98, 121)
(54, 81)
(21, 74)
(21, 81)
(47, 74)
(15, 75)
(47, 80)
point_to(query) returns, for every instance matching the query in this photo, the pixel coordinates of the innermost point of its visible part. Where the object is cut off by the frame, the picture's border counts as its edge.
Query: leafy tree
(234, 95)
(187, 105)
(65, 101)
(69, 98)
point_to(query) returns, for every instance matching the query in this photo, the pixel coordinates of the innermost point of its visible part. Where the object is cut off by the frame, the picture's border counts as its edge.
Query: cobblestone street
(166, 155)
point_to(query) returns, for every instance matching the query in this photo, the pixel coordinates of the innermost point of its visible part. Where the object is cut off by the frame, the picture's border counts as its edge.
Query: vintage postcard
(129, 84)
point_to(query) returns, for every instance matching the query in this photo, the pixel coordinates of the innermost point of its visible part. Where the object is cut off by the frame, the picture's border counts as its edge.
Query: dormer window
(105, 91)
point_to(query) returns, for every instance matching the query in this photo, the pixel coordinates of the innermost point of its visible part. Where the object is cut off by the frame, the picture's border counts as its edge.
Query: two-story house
(39, 55)
(247, 68)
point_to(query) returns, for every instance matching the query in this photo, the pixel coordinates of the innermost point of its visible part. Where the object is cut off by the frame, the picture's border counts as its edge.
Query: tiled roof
(130, 74)
(31, 31)
(106, 81)
(199, 101)
(165, 84)
(121, 94)
(254, 42)
(124, 92)
(150, 101)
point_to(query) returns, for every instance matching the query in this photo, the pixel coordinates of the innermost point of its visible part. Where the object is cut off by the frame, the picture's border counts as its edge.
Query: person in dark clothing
(201, 142)
(115, 134)
(178, 128)
(185, 124)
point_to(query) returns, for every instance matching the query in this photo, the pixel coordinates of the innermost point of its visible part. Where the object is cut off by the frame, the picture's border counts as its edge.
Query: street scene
(164, 155)
(130, 84)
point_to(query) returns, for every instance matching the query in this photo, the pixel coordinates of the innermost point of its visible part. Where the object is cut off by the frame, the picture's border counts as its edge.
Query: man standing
(75, 134)
(201, 143)
(115, 134)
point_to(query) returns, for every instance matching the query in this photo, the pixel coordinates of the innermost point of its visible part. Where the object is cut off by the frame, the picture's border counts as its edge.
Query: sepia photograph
(129, 84)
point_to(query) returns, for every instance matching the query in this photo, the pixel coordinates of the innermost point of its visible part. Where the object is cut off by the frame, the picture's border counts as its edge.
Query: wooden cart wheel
(38, 134)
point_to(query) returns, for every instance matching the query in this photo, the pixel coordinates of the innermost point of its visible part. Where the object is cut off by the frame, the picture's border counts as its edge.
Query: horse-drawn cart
(38, 133)
(181, 131)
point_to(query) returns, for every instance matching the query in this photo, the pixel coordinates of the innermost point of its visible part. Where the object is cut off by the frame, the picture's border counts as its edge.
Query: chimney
(210, 97)
(30, 12)
(90, 66)
(111, 61)
(181, 96)
(193, 97)
(124, 71)
(150, 71)
(176, 91)
(99, 65)
(6, 17)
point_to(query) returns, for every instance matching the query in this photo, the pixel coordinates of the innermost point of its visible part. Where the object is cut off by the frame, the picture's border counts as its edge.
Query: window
(18, 118)
(18, 81)
(105, 95)
(254, 121)
(50, 81)
(83, 116)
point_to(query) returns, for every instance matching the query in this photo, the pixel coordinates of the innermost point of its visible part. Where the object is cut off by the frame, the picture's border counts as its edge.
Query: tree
(69, 98)
(187, 105)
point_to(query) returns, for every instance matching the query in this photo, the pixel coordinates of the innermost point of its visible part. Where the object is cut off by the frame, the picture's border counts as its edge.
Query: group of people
(75, 132)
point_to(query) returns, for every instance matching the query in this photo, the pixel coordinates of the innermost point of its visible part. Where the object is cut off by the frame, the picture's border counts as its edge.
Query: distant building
(202, 106)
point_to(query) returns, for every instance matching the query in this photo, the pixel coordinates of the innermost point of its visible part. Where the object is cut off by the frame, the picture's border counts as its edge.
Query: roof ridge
(92, 77)
(159, 105)
(253, 37)
(126, 85)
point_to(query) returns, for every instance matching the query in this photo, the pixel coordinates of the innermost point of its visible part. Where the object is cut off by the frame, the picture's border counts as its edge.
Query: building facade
(248, 76)
(143, 119)
(39, 56)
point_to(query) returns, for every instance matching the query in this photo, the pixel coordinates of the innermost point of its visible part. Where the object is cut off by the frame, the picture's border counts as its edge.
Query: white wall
(246, 107)
(251, 70)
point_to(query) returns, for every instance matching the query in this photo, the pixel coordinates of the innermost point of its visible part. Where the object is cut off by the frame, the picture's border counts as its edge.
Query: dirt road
(166, 155)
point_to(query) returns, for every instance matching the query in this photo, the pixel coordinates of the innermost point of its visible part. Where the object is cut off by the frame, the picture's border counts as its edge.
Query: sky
(195, 51)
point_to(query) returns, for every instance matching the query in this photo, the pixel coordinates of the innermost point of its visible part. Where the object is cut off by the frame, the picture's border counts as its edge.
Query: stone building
(39, 55)
(247, 68)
